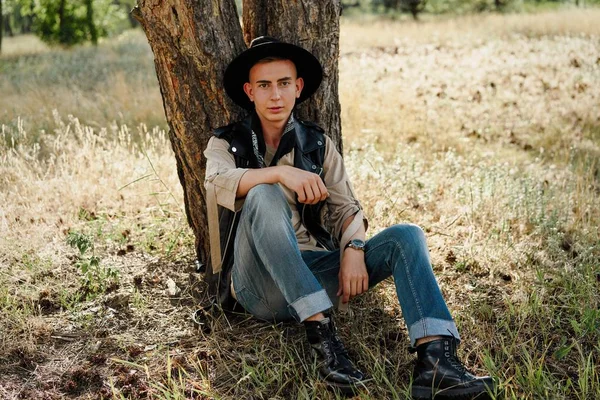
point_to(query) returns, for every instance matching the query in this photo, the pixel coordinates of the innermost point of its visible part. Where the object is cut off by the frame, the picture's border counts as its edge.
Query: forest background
(480, 122)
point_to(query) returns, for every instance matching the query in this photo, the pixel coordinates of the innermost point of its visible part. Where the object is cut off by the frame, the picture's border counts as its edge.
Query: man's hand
(308, 186)
(353, 276)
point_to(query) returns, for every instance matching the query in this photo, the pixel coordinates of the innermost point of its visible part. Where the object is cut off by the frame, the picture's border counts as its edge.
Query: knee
(407, 233)
(266, 197)
(411, 245)
(264, 194)
(407, 241)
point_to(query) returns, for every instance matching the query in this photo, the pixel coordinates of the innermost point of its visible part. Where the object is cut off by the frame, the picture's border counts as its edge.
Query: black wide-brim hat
(237, 73)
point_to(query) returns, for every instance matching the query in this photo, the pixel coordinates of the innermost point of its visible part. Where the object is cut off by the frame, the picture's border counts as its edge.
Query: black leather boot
(335, 366)
(440, 375)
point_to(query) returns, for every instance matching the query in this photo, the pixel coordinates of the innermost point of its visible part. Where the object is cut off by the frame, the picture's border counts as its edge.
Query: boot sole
(422, 392)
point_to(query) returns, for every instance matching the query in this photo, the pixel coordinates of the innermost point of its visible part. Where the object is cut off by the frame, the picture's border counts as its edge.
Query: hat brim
(237, 73)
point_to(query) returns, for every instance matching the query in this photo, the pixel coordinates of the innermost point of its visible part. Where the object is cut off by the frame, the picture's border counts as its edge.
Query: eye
(262, 85)
(285, 83)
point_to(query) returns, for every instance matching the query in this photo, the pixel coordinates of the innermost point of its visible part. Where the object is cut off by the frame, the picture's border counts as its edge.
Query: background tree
(18, 16)
(67, 22)
(90, 23)
(194, 40)
(414, 7)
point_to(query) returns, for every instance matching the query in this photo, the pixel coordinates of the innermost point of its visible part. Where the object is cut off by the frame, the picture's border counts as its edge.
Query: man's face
(274, 88)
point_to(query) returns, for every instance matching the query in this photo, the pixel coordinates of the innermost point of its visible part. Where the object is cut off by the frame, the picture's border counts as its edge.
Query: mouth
(275, 109)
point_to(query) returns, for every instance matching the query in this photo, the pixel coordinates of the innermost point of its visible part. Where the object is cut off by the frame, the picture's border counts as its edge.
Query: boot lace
(328, 347)
(453, 359)
(455, 362)
(327, 350)
(338, 346)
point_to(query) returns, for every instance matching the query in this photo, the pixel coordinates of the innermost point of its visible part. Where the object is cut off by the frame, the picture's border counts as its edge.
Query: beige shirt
(222, 180)
(269, 154)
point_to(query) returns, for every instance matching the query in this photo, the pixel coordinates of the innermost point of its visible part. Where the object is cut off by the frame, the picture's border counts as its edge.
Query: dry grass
(489, 139)
(360, 31)
(114, 84)
(23, 45)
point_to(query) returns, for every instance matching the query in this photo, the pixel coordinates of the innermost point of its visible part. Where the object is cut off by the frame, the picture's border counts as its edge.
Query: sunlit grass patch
(22, 45)
(370, 31)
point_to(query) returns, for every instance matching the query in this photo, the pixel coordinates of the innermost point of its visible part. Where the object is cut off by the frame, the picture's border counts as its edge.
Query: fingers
(352, 286)
(311, 193)
(319, 191)
(323, 189)
(346, 294)
(309, 187)
(301, 194)
(314, 190)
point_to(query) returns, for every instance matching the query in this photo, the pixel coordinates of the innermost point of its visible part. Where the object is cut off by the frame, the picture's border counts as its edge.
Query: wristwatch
(356, 244)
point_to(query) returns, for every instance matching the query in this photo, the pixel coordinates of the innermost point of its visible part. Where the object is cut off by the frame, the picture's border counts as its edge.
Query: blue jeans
(274, 280)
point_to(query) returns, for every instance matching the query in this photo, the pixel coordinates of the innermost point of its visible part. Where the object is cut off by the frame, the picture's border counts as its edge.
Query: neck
(272, 131)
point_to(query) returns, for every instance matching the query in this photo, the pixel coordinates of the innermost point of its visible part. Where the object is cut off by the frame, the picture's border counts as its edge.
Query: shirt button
(233, 149)
(320, 143)
(314, 167)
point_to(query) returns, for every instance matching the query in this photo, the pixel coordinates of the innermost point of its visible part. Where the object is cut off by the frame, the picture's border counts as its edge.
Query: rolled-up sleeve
(222, 174)
(342, 202)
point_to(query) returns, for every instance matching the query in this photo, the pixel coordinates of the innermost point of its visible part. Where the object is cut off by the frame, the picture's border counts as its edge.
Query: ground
(483, 130)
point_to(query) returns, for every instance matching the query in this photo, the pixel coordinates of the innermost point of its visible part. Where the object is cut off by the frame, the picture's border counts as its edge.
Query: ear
(299, 86)
(248, 91)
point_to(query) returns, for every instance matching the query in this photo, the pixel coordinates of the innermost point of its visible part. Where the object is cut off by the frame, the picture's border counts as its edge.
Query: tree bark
(193, 41)
(7, 26)
(314, 25)
(61, 18)
(89, 20)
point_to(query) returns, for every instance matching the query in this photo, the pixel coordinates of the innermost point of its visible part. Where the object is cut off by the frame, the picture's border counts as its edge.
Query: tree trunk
(194, 40)
(314, 25)
(89, 20)
(27, 21)
(7, 26)
(63, 35)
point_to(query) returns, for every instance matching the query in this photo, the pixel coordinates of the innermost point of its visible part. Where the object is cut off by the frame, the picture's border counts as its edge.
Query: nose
(275, 95)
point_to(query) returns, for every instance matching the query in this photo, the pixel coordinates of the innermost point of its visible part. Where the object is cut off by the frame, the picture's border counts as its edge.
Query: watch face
(357, 243)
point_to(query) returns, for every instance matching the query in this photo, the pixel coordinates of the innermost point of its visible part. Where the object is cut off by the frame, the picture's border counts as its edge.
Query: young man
(270, 181)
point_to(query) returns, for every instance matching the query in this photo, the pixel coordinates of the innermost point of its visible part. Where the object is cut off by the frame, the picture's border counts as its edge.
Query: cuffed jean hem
(311, 304)
(432, 327)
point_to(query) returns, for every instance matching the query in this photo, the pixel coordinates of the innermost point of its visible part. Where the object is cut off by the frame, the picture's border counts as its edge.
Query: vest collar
(303, 137)
(307, 139)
